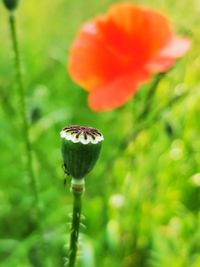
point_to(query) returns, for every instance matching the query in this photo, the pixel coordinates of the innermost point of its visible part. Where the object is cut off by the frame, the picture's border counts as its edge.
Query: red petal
(116, 93)
(112, 45)
(175, 48)
(91, 61)
(148, 30)
(127, 39)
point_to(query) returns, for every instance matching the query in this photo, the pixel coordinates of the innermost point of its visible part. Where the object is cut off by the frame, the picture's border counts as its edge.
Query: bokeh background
(142, 200)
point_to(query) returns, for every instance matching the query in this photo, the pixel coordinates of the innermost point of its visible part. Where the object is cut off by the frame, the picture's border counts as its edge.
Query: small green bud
(10, 4)
(80, 149)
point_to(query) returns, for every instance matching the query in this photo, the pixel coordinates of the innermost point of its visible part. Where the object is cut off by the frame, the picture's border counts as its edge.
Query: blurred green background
(142, 200)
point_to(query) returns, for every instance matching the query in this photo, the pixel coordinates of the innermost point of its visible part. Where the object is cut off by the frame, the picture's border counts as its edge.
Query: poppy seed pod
(80, 149)
(10, 4)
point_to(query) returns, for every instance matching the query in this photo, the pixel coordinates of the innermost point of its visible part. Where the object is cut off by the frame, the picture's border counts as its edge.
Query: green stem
(77, 190)
(25, 124)
(25, 130)
(150, 95)
(139, 122)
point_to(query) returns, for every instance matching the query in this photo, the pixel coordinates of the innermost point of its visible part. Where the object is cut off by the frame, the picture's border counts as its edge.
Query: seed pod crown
(80, 149)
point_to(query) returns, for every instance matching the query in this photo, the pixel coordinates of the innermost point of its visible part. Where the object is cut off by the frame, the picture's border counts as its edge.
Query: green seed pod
(10, 4)
(80, 149)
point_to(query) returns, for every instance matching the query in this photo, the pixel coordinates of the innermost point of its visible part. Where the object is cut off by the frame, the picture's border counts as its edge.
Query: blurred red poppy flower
(116, 52)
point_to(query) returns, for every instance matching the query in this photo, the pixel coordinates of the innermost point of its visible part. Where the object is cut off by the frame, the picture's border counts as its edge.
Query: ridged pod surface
(80, 149)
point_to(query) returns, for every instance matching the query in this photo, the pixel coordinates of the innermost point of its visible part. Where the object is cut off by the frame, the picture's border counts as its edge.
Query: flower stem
(26, 136)
(150, 95)
(22, 105)
(77, 188)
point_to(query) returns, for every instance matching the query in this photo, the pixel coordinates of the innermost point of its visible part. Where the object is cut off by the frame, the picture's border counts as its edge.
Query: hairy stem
(22, 106)
(25, 131)
(77, 190)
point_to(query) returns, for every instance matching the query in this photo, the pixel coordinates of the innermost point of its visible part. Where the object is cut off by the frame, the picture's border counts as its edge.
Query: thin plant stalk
(25, 124)
(150, 96)
(25, 130)
(77, 188)
(141, 122)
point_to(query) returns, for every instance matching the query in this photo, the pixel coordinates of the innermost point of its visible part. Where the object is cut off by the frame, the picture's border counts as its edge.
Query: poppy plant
(115, 53)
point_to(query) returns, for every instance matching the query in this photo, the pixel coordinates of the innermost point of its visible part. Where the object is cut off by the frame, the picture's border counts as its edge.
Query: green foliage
(142, 200)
